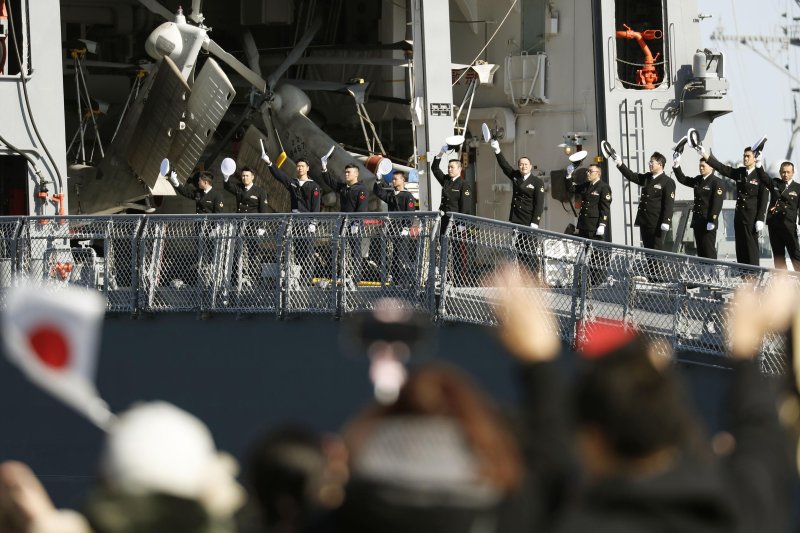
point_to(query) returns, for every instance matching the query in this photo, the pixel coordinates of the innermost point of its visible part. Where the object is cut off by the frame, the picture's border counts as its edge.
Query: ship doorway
(640, 54)
(13, 185)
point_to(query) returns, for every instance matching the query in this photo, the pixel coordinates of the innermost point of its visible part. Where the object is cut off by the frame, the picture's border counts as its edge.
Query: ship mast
(790, 37)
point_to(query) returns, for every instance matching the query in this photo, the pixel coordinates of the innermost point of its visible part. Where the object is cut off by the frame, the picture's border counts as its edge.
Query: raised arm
(631, 175)
(723, 169)
(760, 465)
(280, 176)
(681, 177)
(504, 166)
(330, 181)
(436, 171)
(380, 192)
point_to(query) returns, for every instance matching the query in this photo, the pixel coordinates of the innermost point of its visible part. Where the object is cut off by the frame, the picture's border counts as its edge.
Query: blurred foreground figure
(294, 477)
(437, 459)
(25, 506)
(162, 473)
(644, 464)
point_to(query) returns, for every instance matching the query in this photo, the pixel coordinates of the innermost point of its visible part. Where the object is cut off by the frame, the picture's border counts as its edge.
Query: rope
(487, 42)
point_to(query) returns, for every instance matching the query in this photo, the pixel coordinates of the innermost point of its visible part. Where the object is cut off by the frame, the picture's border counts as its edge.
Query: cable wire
(487, 42)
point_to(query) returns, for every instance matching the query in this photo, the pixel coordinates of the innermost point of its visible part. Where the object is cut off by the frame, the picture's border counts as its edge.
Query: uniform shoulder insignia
(608, 196)
(220, 204)
(410, 203)
(361, 196)
(466, 193)
(672, 195)
(719, 191)
(541, 189)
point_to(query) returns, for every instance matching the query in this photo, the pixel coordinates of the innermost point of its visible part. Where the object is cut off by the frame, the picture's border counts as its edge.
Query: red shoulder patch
(316, 192)
(410, 204)
(361, 196)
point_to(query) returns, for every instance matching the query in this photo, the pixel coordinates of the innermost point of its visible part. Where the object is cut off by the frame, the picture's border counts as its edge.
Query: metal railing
(335, 264)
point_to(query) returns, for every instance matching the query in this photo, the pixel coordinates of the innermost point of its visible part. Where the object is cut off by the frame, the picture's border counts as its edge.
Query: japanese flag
(53, 336)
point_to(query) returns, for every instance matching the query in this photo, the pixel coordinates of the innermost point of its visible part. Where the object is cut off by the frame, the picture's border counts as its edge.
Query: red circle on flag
(50, 346)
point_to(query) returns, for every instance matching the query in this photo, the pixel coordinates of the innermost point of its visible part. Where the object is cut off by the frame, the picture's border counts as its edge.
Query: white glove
(173, 179)
(676, 159)
(701, 151)
(495, 144)
(570, 170)
(617, 161)
(405, 232)
(324, 159)
(664, 227)
(312, 228)
(261, 232)
(354, 229)
(534, 225)
(225, 178)
(759, 226)
(601, 230)
(444, 150)
(759, 160)
(710, 226)
(264, 156)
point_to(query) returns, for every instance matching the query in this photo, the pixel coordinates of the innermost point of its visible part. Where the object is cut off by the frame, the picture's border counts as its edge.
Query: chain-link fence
(94, 252)
(678, 298)
(335, 264)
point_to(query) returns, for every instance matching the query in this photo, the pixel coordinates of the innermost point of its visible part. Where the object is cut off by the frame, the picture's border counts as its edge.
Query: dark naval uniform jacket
(751, 195)
(396, 201)
(303, 195)
(352, 198)
(457, 194)
(595, 206)
(708, 197)
(784, 203)
(656, 200)
(205, 202)
(527, 200)
(252, 200)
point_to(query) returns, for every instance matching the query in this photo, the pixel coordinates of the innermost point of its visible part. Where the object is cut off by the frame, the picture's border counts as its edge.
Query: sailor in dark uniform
(398, 199)
(527, 199)
(249, 198)
(304, 197)
(206, 198)
(708, 197)
(457, 193)
(399, 230)
(353, 198)
(304, 193)
(656, 200)
(782, 215)
(353, 195)
(527, 204)
(751, 203)
(594, 217)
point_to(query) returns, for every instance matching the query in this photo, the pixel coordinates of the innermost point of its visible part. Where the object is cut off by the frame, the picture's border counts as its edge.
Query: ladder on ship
(631, 131)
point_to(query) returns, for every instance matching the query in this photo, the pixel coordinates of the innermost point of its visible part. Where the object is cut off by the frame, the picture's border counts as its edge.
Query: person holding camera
(782, 214)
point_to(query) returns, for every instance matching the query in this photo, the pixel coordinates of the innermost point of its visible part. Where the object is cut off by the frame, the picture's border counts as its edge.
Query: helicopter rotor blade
(155, 7)
(295, 54)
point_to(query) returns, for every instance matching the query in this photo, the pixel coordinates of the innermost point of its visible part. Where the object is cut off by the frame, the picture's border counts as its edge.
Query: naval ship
(98, 94)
